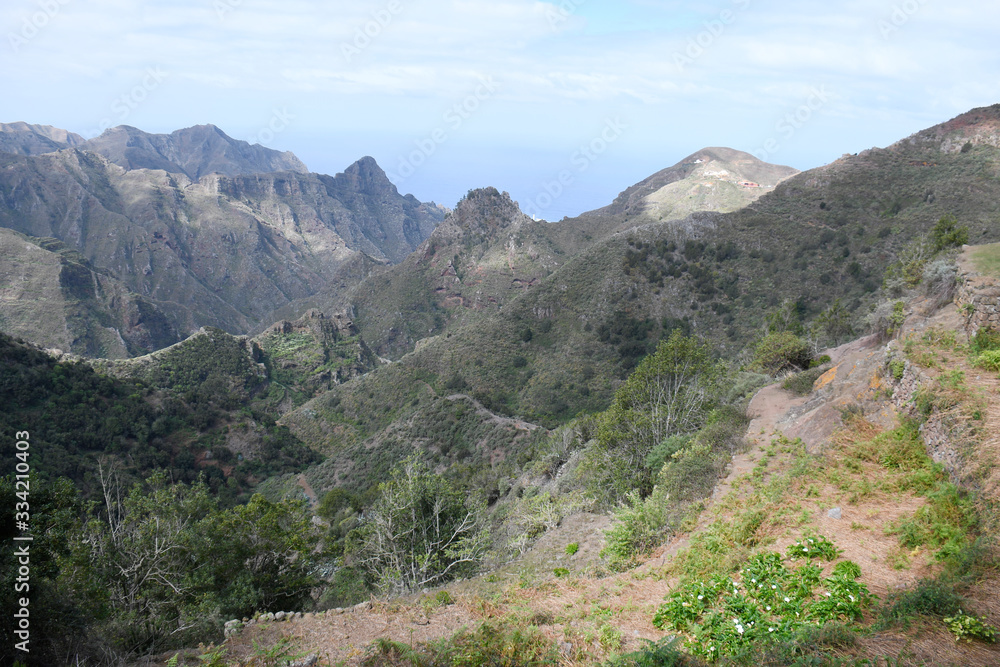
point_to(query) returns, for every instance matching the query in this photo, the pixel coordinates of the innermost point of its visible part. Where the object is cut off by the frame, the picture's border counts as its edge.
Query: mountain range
(246, 232)
(293, 361)
(527, 318)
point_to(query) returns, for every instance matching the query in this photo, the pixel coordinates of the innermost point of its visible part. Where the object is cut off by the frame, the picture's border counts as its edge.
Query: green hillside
(560, 348)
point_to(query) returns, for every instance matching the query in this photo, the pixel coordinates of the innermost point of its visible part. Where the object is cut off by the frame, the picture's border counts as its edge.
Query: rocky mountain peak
(487, 210)
(366, 176)
(712, 179)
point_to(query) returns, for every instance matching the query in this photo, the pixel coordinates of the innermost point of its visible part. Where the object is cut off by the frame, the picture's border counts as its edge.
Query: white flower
(773, 587)
(810, 539)
(701, 597)
(788, 599)
(754, 580)
(770, 629)
(769, 607)
(829, 594)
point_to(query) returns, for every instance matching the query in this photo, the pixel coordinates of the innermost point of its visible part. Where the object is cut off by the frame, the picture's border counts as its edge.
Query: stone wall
(978, 300)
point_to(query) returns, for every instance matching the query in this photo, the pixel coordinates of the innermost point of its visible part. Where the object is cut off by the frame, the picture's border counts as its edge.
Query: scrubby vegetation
(605, 367)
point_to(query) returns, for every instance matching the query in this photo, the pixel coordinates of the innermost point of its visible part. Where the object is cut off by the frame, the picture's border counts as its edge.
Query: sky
(563, 104)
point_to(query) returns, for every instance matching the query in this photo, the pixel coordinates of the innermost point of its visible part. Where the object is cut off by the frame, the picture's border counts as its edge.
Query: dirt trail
(343, 635)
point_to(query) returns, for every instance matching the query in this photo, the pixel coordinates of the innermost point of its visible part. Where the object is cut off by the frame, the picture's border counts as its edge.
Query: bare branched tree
(421, 531)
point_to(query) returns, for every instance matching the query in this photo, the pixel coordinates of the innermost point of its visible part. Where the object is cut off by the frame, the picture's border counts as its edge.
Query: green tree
(948, 234)
(835, 321)
(671, 392)
(163, 565)
(786, 317)
(255, 557)
(421, 531)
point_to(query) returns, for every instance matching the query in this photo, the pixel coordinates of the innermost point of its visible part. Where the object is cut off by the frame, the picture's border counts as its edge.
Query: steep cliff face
(51, 295)
(222, 251)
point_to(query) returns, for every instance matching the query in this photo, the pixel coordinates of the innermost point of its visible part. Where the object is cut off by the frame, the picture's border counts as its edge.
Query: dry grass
(986, 259)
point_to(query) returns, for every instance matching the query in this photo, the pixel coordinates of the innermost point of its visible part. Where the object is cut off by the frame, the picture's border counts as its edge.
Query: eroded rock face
(225, 251)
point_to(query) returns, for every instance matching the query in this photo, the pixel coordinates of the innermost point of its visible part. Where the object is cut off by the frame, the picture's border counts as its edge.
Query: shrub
(802, 383)
(635, 530)
(968, 628)
(781, 351)
(985, 340)
(421, 531)
(663, 451)
(989, 360)
(940, 281)
(768, 604)
(948, 234)
(931, 597)
(572, 548)
(887, 319)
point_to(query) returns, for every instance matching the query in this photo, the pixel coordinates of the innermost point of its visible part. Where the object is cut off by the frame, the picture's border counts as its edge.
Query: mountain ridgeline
(559, 343)
(239, 325)
(198, 248)
(195, 152)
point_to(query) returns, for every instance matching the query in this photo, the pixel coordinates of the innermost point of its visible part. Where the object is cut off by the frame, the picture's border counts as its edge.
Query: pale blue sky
(642, 83)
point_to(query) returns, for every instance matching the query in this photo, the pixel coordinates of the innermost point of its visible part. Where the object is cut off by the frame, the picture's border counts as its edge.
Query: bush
(802, 383)
(968, 628)
(636, 530)
(495, 642)
(989, 360)
(948, 234)
(663, 451)
(887, 319)
(779, 352)
(931, 597)
(985, 340)
(940, 281)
